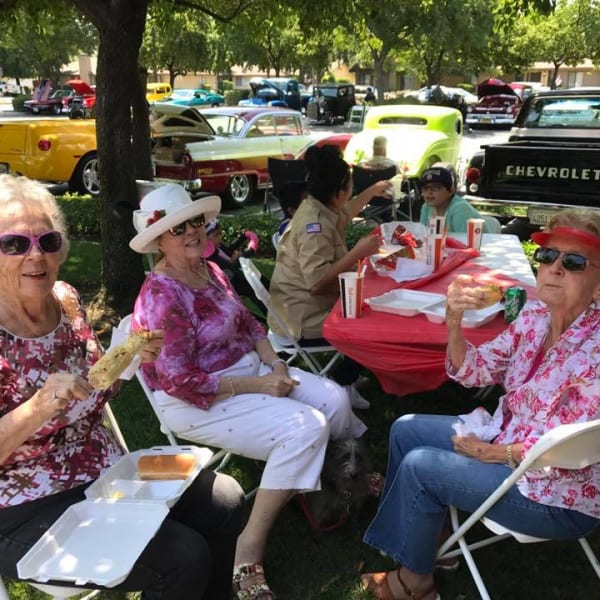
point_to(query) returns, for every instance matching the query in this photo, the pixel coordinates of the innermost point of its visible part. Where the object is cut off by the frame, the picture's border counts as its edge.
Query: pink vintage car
(499, 104)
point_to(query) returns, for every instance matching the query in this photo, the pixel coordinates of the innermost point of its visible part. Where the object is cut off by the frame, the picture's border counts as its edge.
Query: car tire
(56, 109)
(215, 104)
(240, 189)
(85, 177)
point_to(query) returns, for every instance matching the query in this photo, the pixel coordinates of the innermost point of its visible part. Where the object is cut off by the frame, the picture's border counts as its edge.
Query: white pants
(290, 433)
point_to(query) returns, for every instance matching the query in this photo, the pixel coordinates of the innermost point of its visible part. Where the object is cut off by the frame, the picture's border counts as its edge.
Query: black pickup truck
(551, 161)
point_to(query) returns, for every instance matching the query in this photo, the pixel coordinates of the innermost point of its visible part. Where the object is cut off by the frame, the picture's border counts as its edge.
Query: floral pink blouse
(565, 388)
(205, 330)
(74, 447)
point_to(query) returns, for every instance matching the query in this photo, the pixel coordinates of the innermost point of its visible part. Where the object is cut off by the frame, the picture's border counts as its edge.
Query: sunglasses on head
(194, 222)
(15, 244)
(570, 260)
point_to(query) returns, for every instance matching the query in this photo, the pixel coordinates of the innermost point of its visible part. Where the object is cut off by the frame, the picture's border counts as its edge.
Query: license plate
(487, 120)
(540, 216)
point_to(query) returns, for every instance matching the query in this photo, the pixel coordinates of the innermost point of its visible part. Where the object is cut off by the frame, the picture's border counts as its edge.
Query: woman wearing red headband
(548, 361)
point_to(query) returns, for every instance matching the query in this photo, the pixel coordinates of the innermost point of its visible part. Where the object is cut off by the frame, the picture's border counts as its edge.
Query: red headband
(585, 237)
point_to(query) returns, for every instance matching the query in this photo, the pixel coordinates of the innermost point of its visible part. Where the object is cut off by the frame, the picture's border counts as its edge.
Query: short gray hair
(24, 191)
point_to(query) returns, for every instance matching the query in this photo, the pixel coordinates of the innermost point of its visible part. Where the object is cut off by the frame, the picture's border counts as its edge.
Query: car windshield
(225, 125)
(582, 113)
(182, 94)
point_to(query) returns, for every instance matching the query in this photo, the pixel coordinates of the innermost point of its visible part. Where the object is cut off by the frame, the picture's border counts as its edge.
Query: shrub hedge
(82, 214)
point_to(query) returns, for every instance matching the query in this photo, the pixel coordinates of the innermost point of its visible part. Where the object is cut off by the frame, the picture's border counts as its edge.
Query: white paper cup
(397, 186)
(474, 233)
(351, 294)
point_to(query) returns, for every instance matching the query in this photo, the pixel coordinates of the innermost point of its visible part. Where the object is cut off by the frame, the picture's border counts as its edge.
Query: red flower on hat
(156, 215)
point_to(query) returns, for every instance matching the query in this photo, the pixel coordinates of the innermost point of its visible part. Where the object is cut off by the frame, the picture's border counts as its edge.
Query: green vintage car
(417, 136)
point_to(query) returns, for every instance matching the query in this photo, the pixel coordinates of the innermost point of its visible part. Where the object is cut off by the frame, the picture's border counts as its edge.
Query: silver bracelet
(278, 361)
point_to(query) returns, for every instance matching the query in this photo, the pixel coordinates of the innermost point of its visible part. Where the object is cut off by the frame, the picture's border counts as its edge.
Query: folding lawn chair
(379, 209)
(287, 344)
(572, 446)
(283, 171)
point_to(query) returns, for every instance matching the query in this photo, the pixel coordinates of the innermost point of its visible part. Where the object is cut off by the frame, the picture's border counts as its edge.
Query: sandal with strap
(377, 584)
(255, 588)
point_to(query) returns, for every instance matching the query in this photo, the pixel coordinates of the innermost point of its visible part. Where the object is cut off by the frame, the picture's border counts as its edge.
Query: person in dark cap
(438, 189)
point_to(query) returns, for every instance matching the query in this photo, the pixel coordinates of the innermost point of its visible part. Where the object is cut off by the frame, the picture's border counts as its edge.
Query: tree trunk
(120, 25)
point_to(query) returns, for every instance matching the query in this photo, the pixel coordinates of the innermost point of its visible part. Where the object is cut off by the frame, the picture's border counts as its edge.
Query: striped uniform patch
(313, 228)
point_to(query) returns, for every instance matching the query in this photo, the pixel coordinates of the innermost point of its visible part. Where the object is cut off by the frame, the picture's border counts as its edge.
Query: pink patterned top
(205, 330)
(74, 447)
(565, 388)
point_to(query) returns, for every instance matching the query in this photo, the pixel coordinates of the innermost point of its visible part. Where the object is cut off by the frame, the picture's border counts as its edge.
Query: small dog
(344, 486)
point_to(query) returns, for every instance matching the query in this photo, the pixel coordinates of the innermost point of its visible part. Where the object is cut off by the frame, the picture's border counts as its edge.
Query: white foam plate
(406, 303)
(122, 482)
(93, 542)
(436, 313)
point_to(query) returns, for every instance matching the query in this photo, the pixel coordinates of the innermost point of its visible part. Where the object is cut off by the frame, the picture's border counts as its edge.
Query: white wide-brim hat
(166, 207)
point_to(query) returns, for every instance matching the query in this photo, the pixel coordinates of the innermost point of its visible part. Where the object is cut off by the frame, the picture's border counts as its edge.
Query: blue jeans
(425, 476)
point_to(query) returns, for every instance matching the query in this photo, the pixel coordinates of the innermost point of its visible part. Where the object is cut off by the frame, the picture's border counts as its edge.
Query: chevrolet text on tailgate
(551, 161)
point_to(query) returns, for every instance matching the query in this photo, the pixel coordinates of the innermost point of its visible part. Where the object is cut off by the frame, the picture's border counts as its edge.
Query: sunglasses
(16, 244)
(194, 222)
(570, 260)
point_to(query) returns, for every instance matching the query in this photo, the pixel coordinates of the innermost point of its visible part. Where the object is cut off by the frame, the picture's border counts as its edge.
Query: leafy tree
(559, 38)
(37, 43)
(176, 42)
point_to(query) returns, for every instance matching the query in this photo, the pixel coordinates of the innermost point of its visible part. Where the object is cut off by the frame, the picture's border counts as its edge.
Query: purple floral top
(565, 388)
(74, 447)
(205, 330)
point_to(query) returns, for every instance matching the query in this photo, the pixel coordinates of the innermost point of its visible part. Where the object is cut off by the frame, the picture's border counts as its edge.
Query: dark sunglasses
(570, 260)
(194, 222)
(15, 244)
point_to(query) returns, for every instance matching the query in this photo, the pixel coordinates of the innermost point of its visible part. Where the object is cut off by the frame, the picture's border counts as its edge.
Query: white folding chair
(572, 446)
(287, 344)
(218, 461)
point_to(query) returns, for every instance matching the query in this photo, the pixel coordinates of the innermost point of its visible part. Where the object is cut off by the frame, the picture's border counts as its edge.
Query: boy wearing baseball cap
(438, 189)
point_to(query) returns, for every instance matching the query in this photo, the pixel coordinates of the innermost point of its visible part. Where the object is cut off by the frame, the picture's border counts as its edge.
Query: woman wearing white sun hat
(218, 378)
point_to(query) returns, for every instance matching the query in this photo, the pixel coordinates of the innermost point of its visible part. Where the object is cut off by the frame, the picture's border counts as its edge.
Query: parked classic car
(81, 106)
(330, 102)
(227, 148)
(499, 104)
(46, 100)
(417, 136)
(550, 161)
(55, 150)
(423, 95)
(158, 91)
(274, 91)
(198, 97)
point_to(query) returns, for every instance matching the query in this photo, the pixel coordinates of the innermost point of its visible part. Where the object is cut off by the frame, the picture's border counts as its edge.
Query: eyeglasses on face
(194, 222)
(16, 244)
(570, 260)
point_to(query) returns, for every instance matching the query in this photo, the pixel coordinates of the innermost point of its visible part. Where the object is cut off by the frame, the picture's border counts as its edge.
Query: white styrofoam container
(99, 539)
(436, 313)
(406, 303)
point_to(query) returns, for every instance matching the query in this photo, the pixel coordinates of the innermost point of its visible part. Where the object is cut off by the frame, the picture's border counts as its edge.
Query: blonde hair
(31, 194)
(578, 218)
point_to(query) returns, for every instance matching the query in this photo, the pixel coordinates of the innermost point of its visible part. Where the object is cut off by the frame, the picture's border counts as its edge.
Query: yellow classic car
(156, 92)
(52, 150)
(417, 136)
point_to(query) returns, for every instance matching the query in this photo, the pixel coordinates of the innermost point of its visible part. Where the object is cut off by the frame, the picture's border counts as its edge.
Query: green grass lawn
(301, 565)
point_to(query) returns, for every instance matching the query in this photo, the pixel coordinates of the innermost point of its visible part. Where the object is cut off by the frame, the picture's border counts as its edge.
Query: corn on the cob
(108, 368)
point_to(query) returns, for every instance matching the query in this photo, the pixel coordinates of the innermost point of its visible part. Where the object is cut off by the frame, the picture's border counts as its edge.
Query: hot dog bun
(491, 293)
(166, 466)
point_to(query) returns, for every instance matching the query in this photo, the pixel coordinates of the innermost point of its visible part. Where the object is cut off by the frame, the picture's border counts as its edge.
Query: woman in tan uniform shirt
(312, 253)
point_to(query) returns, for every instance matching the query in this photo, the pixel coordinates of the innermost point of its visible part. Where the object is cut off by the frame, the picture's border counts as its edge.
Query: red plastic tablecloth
(407, 354)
